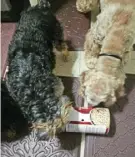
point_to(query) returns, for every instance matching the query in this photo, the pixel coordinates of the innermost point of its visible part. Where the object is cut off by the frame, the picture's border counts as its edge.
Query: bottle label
(89, 120)
(83, 128)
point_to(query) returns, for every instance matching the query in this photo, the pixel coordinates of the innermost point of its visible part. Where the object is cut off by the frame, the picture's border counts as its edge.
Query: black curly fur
(31, 61)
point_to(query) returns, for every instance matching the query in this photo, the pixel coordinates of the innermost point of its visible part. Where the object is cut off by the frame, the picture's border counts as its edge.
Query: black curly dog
(31, 60)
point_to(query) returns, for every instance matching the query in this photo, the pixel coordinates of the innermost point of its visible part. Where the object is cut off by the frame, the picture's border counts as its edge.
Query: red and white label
(80, 122)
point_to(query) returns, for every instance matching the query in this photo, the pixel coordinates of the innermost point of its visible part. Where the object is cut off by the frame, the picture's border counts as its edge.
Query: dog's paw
(65, 55)
(65, 52)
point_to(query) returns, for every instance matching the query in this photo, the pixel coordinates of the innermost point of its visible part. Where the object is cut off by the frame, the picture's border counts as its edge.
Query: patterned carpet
(30, 147)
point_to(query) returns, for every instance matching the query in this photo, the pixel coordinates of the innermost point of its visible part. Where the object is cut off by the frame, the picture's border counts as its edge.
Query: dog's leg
(59, 44)
(91, 50)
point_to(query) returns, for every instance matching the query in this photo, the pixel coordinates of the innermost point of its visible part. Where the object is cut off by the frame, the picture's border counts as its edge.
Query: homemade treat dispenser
(89, 120)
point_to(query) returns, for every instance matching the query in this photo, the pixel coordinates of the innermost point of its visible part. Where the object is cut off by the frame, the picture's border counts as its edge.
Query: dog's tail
(44, 4)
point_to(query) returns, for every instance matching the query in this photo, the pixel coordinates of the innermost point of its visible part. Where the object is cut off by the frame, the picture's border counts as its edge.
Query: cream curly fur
(86, 5)
(113, 33)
